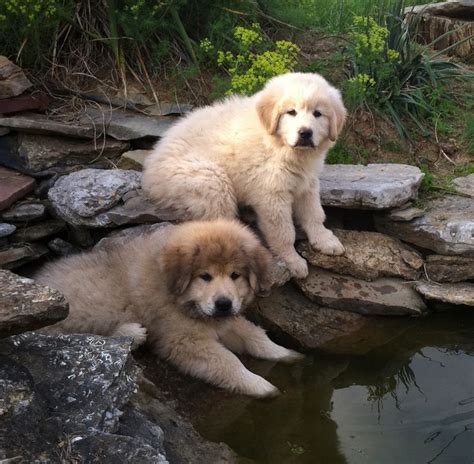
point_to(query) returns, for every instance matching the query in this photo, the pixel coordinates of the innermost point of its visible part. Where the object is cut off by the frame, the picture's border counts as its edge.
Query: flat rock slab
(37, 153)
(38, 231)
(15, 256)
(452, 294)
(134, 159)
(384, 297)
(294, 320)
(25, 305)
(447, 227)
(405, 214)
(465, 185)
(127, 125)
(375, 186)
(64, 396)
(13, 186)
(449, 268)
(24, 212)
(41, 124)
(83, 197)
(13, 81)
(368, 256)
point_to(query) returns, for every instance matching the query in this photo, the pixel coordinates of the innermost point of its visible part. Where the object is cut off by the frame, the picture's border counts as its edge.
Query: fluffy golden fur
(264, 151)
(184, 292)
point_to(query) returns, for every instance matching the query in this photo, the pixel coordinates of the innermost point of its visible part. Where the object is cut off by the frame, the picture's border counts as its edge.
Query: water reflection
(408, 401)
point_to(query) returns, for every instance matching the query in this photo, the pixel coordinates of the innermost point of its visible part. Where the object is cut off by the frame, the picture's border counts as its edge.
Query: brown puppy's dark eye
(206, 277)
(291, 112)
(234, 276)
(317, 114)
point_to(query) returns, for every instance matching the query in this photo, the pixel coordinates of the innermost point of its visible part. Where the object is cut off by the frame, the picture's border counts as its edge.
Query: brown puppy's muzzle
(223, 307)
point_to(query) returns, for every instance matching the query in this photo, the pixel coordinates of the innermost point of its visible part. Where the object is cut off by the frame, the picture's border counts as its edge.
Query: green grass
(329, 15)
(340, 154)
(468, 135)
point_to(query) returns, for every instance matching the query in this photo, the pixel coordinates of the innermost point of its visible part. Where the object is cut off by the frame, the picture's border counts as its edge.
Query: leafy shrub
(253, 60)
(402, 79)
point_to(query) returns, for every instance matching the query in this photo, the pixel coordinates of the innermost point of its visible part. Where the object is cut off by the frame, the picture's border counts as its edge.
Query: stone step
(375, 186)
(451, 294)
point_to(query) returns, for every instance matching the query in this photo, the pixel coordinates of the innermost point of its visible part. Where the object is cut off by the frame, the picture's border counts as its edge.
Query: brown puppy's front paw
(298, 267)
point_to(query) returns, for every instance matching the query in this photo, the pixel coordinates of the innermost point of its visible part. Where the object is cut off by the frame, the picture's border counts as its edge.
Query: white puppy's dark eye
(234, 275)
(291, 112)
(317, 114)
(206, 277)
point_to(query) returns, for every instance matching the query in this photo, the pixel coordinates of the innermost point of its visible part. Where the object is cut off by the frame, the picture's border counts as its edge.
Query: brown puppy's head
(302, 109)
(214, 268)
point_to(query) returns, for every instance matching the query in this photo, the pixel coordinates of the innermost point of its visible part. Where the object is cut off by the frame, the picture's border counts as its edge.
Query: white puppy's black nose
(223, 306)
(305, 133)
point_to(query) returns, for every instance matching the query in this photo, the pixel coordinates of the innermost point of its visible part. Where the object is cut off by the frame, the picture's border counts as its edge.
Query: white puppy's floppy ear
(337, 116)
(268, 112)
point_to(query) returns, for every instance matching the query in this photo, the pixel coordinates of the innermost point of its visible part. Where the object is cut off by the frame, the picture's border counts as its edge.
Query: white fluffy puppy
(264, 151)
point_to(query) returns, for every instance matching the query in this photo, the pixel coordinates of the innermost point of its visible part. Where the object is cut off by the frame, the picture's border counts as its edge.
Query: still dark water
(410, 400)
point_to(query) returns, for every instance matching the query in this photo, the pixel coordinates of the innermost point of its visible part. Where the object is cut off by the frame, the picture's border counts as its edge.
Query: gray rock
(37, 231)
(167, 108)
(121, 237)
(294, 320)
(61, 247)
(138, 210)
(64, 396)
(6, 229)
(182, 444)
(39, 152)
(446, 228)
(465, 185)
(452, 294)
(134, 159)
(385, 297)
(22, 212)
(405, 214)
(449, 268)
(16, 255)
(40, 124)
(375, 186)
(25, 305)
(82, 198)
(368, 256)
(126, 125)
(449, 8)
(13, 81)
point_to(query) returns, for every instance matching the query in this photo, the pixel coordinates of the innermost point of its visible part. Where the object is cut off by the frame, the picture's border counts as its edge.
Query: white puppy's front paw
(259, 387)
(297, 266)
(328, 244)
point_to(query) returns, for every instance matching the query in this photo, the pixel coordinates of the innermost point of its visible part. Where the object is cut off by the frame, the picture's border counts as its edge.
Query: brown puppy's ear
(259, 260)
(337, 117)
(177, 267)
(268, 112)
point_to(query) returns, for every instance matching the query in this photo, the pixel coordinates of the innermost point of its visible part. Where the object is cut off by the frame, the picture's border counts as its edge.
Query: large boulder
(384, 297)
(25, 305)
(447, 227)
(368, 256)
(375, 186)
(294, 320)
(65, 395)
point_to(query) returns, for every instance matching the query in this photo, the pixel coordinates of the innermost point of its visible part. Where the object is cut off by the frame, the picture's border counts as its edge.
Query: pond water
(408, 401)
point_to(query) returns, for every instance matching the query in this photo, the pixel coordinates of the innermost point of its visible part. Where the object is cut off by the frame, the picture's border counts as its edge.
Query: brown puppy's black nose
(305, 134)
(223, 306)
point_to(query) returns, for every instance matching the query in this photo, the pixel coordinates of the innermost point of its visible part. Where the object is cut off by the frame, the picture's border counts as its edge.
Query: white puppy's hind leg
(134, 330)
(243, 336)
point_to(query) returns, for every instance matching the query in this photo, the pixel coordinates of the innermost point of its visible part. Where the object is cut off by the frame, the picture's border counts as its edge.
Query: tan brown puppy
(184, 292)
(264, 151)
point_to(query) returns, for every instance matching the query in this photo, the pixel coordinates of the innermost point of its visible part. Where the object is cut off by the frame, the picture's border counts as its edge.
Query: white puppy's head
(302, 109)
